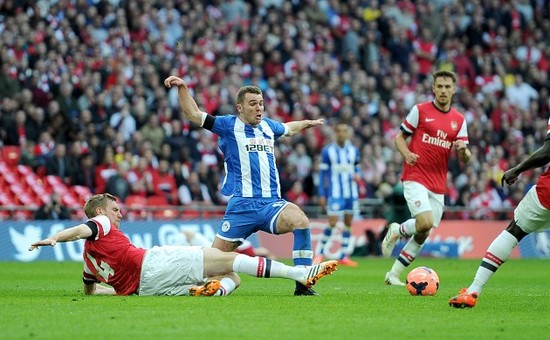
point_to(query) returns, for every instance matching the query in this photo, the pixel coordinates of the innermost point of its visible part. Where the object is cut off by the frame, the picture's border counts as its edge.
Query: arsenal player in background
(433, 129)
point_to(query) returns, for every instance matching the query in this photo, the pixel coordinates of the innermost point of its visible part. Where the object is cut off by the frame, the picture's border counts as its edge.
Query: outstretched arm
(298, 125)
(187, 104)
(70, 234)
(537, 159)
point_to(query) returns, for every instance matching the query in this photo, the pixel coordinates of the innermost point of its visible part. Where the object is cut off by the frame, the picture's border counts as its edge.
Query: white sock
(262, 267)
(406, 256)
(227, 286)
(498, 252)
(408, 228)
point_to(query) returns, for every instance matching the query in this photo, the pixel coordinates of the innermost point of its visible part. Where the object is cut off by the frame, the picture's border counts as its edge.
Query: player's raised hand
(174, 81)
(45, 242)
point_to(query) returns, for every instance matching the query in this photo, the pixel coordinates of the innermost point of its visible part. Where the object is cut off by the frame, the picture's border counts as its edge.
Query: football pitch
(45, 300)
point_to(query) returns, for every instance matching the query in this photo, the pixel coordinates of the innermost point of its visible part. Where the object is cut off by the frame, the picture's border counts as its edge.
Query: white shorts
(530, 215)
(419, 199)
(171, 270)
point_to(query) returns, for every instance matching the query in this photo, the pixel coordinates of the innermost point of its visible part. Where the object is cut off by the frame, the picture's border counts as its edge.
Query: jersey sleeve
(279, 129)
(548, 130)
(220, 125)
(463, 133)
(409, 125)
(103, 226)
(324, 167)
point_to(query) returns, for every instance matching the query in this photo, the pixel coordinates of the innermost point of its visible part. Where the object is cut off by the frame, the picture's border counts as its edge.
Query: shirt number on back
(103, 269)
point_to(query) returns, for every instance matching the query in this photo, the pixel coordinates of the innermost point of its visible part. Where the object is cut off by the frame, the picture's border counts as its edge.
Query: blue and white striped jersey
(337, 171)
(250, 164)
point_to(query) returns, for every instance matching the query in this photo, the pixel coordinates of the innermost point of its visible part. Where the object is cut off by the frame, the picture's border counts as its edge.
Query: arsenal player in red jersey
(434, 129)
(531, 215)
(110, 258)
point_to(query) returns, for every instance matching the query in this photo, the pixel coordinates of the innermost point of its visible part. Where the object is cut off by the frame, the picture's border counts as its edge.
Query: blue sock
(324, 239)
(302, 255)
(345, 242)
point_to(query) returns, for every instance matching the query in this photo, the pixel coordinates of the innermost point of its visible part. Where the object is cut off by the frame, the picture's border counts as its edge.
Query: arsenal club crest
(454, 125)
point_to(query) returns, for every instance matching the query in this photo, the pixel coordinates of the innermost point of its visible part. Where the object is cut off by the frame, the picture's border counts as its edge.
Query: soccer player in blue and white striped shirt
(247, 141)
(339, 172)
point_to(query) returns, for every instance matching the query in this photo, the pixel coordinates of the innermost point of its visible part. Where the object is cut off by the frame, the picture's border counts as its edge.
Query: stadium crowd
(81, 88)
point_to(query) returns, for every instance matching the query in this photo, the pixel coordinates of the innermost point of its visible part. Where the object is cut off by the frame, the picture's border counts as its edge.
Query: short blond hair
(97, 201)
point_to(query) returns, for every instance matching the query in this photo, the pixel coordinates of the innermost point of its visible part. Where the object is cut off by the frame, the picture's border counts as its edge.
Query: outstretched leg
(218, 263)
(498, 252)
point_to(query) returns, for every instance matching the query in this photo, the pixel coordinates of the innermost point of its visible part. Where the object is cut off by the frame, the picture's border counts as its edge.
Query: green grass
(44, 300)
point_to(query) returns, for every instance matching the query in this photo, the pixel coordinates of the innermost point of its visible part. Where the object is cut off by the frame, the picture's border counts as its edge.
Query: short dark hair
(247, 89)
(444, 74)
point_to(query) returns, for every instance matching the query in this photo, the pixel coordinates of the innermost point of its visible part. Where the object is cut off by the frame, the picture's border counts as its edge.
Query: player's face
(112, 211)
(443, 89)
(251, 110)
(342, 133)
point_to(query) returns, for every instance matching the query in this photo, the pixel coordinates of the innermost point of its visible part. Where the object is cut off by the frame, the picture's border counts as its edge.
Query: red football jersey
(543, 183)
(112, 259)
(433, 133)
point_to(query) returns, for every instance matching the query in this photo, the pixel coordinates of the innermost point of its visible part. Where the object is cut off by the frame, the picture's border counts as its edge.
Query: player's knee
(424, 223)
(516, 231)
(300, 221)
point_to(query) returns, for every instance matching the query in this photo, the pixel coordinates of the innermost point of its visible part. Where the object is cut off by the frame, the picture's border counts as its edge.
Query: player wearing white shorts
(110, 258)
(434, 128)
(531, 215)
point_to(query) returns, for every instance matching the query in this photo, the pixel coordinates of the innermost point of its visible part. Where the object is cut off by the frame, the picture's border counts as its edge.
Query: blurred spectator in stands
(485, 200)
(53, 210)
(521, 93)
(425, 51)
(16, 130)
(194, 192)
(178, 139)
(178, 171)
(297, 195)
(58, 164)
(140, 178)
(400, 47)
(36, 119)
(208, 151)
(123, 121)
(105, 169)
(488, 84)
(153, 132)
(84, 174)
(9, 85)
(164, 183)
(67, 103)
(28, 157)
(165, 152)
(301, 161)
(118, 184)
